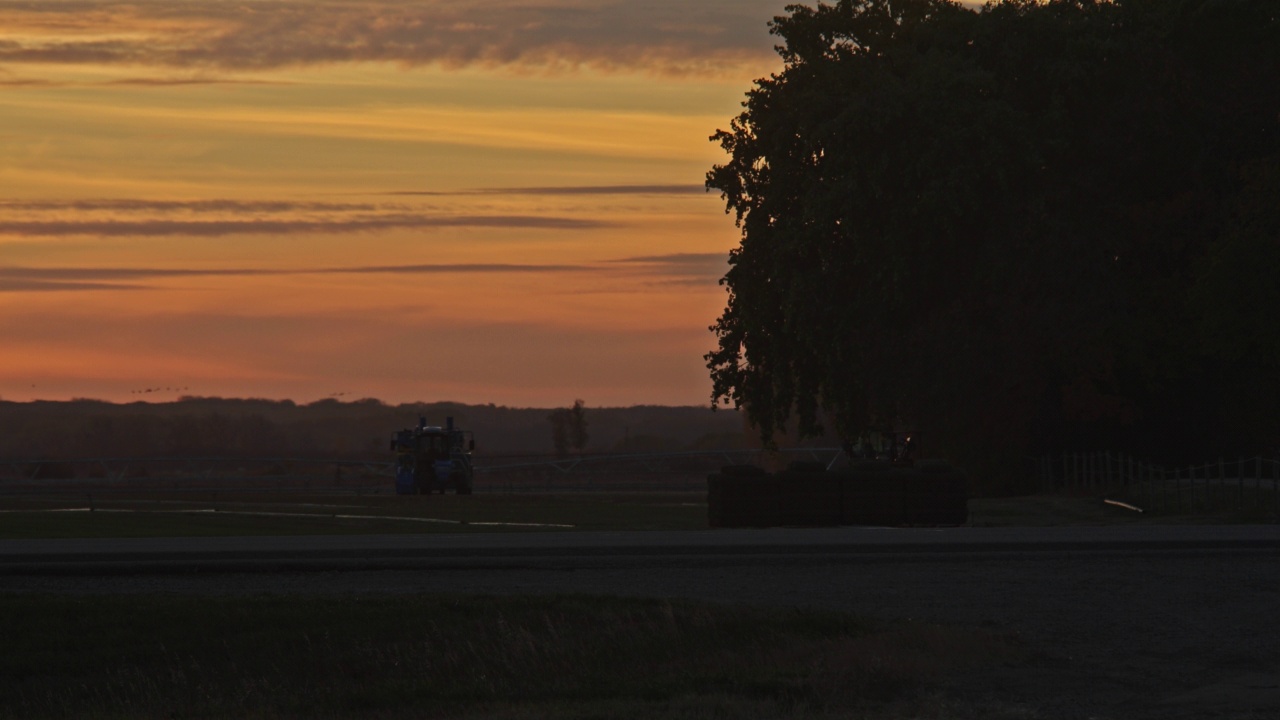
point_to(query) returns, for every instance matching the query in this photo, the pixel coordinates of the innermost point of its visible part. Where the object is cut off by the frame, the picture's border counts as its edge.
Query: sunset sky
(482, 201)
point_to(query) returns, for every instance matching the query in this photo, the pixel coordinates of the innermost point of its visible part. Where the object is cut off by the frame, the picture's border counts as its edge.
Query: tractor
(433, 458)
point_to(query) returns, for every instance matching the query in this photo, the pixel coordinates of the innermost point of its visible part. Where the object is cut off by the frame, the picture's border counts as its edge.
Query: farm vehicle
(431, 458)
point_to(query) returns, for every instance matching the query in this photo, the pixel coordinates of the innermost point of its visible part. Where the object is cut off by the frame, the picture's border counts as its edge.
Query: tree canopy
(1014, 229)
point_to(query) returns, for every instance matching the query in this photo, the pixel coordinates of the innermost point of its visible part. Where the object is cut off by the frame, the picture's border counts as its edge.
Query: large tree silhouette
(1006, 228)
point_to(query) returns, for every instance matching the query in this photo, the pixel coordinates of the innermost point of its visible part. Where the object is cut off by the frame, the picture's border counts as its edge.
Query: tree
(569, 428)
(559, 419)
(578, 426)
(951, 217)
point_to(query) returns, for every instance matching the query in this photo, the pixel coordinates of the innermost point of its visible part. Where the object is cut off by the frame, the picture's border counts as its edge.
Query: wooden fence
(1242, 484)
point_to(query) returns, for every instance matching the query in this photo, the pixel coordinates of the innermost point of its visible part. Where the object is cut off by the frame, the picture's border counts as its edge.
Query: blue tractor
(433, 458)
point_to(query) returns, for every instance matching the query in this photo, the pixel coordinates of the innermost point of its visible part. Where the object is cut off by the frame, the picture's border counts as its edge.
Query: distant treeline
(332, 429)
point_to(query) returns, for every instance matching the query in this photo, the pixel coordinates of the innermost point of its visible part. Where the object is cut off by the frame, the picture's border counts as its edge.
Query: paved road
(752, 546)
(1116, 622)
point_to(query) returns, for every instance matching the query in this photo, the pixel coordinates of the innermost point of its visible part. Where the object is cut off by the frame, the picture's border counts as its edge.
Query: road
(1116, 622)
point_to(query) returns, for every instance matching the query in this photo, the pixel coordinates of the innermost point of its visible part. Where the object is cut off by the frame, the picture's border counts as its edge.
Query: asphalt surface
(185, 554)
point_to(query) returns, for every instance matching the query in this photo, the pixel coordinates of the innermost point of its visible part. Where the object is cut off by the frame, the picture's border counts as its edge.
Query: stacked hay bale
(870, 493)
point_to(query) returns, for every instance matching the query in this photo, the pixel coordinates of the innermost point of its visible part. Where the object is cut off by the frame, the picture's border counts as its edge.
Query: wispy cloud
(27, 82)
(680, 263)
(673, 36)
(210, 205)
(687, 269)
(142, 82)
(21, 284)
(178, 81)
(217, 228)
(102, 274)
(677, 268)
(215, 218)
(569, 190)
(29, 279)
(456, 268)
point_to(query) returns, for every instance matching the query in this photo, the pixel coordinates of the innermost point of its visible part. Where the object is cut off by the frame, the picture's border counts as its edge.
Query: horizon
(358, 401)
(491, 202)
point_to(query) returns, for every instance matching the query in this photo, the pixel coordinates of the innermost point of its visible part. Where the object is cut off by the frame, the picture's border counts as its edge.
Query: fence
(1243, 484)
(652, 471)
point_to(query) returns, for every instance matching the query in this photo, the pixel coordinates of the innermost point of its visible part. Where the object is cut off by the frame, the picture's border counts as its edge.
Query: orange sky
(482, 201)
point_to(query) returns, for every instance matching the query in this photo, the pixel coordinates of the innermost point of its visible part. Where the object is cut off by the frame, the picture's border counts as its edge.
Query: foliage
(569, 428)
(989, 225)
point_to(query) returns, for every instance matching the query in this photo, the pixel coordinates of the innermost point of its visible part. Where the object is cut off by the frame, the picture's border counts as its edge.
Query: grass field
(509, 657)
(160, 514)
(244, 513)
(429, 657)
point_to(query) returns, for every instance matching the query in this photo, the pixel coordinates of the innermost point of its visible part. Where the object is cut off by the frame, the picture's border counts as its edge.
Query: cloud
(61, 274)
(569, 190)
(212, 205)
(456, 268)
(27, 82)
(177, 81)
(135, 82)
(681, 263)
(29, 279)
(694, 269)
(34, 285)
(266, 226)
(682, 269)
(668, 36)
(118, 217)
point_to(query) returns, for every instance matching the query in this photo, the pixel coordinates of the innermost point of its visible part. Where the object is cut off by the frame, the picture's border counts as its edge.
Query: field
(462, 656)
(414, 655)
(158, 513)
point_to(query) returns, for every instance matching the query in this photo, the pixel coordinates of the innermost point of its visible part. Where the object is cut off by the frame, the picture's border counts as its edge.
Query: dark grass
(1063, 510)
(433, 656)
(169, 515)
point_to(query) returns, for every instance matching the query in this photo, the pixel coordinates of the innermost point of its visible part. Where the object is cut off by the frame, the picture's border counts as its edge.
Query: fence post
(1222, 481)
(1177, 487)
(1257, 480)
(1150, 486)
(1207, 486)
(1145, 484)
(1189, 505)
(1239, 482)
(1139, 487)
